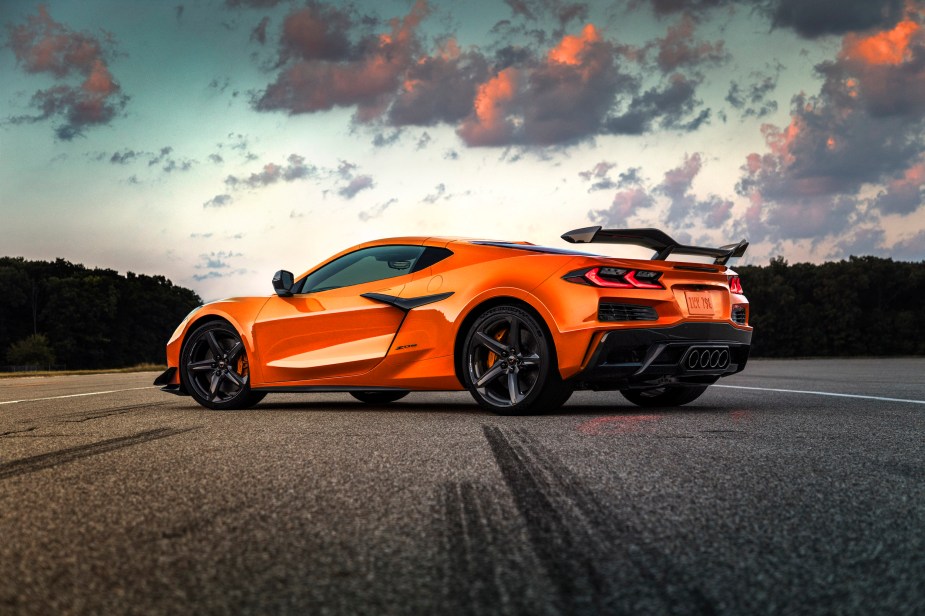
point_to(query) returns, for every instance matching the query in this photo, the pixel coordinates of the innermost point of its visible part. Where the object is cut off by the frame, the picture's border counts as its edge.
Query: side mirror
(282, 283)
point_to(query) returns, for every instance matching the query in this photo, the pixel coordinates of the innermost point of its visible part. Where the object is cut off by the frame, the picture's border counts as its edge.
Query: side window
(364, 265)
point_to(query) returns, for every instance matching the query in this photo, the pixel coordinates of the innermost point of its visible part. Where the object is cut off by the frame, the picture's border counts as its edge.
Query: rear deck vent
(609, 311)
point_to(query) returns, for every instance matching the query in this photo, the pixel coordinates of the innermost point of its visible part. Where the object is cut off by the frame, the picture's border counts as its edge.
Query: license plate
(699, 303)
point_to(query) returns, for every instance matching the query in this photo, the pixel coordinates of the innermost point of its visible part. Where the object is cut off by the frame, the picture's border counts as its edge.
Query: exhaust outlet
(706, 358)
(693, 358)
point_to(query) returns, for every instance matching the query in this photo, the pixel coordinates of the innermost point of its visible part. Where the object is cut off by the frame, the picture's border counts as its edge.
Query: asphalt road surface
(116, 498)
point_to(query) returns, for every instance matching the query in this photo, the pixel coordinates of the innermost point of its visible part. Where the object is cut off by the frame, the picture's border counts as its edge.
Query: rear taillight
(735, 285)
(617, 278)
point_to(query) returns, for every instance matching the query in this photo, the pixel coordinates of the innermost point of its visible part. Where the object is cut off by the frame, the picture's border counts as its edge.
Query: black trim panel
(318, 389)
(166, 377)
(406, 303)
(643, 357)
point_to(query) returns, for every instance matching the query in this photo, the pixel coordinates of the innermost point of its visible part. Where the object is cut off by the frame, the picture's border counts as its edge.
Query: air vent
(608, 311)
(738, 315)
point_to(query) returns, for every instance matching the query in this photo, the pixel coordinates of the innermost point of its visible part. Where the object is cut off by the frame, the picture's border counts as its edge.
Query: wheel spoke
(530, 360)
(235, 351)
(493, 345)
(513, 389)
(213, 386)
(235, 378)
(494, 372)
(513, 337)
(200, 366)
(214, 346)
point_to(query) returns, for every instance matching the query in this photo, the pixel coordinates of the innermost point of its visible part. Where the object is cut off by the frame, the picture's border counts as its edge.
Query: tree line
(68, 315)
(862, 306)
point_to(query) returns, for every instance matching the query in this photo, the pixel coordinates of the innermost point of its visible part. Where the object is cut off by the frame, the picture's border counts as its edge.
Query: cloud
(821, 17)
(678, 49)
(863, 130)
(218, 266)
(667, 107)
(92, 97)
(320, 68)
(439, 192)
(218, 201)
(753, 99)
(381, 139)
(684, 206)
(356, 185)
(124, 157)
(625, 204)
(294, 169)
(259, 33)
(599, 175)
(376, 211)
(808, 18)
(439, 88)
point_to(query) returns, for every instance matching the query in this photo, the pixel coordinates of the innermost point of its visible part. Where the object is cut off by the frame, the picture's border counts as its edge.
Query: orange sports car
(520, 326)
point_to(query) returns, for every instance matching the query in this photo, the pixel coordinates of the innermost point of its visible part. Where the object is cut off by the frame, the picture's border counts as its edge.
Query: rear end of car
(650, 324)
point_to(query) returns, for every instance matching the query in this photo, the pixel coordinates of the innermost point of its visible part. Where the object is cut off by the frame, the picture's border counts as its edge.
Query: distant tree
(33, 350)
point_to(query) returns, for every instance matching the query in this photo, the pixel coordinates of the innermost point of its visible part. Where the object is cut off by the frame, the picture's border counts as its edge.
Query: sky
(218, 141)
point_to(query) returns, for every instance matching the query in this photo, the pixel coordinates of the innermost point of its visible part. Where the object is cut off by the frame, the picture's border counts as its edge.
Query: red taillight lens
(735, 285)
(614, 278)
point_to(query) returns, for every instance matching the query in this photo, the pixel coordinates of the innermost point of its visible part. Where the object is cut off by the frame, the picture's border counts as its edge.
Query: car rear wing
(657, 240)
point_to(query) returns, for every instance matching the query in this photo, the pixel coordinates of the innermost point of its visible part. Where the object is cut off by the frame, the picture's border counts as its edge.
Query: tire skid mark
(82, 416)
(63, 456)
(470, 579)
(596, 561)
(22, 432)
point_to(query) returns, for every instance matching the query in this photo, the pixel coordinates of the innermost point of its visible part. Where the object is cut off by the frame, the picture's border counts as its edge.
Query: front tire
(214, 368)
(664, 396)
(509, 364)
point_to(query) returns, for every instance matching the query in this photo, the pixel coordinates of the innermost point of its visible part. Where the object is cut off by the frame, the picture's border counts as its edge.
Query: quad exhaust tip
(707, 358)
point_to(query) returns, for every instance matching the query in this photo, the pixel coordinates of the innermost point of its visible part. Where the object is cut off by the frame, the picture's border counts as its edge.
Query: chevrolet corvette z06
(519, 326)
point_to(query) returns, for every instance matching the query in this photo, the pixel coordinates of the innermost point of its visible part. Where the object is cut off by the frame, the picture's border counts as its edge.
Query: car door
(327, 328)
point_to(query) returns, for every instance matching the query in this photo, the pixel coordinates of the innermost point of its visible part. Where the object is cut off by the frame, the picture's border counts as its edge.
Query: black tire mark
(82, 416)
(597, 561)
(63, 456)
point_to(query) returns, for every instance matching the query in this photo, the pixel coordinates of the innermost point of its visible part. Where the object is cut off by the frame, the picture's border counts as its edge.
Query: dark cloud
(356, 185)
(439, 88)
(272, 173)
(811, 19)
(754, 99)
(381, 139)
(218, 201)
(216, 158)
(320, 68)
(808, 18)
(626, 203)
(91, 98)
(423, 141)
(124, 157)
(667, 107)
(599, 176)
(678, 49)
(178, 11)
(259, 33)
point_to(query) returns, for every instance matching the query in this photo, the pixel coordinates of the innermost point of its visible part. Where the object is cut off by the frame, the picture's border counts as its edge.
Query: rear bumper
(647, 357)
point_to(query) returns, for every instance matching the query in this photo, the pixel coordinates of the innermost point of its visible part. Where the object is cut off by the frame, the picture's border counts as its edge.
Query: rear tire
(378, 397)
(509, 364)
(670, 395)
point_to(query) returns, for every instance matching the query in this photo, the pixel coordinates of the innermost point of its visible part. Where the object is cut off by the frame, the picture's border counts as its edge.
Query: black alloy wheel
(378, 397)
(509, 364)
(215, 370)
(669, 395)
